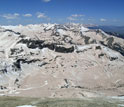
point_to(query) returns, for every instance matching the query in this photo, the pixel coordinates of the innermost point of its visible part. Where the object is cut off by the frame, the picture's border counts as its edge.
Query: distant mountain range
(60, 61)
(112, 30)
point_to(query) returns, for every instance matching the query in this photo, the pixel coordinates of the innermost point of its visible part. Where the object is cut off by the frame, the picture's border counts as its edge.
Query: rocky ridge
(52, 60)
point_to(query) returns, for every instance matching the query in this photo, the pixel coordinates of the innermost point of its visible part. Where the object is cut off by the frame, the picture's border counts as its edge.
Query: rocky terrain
(60, 61)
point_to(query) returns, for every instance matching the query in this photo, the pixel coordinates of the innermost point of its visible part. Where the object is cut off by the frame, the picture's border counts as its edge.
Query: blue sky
(100, 12)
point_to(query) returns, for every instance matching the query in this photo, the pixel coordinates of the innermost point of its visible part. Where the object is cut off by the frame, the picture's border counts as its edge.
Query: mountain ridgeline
(117, 31)
(60, 61)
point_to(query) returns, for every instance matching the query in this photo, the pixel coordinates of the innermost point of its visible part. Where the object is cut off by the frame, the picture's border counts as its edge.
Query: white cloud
(46, 1)
(103, 20)
(71, 19)
(75, 17)
(16, 14)
(10, 16)
(40, 15)
(27, 15)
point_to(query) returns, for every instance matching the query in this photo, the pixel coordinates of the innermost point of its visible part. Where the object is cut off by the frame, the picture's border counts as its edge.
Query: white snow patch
(84, 29)
(27, 89)
(17, 92)
(11, 91)
(46, 82)
(44, 50)
(80, 48)
(111, 53)
(10, 27)
(119, 98)
(2, 94)
(61, 31)
(50, 27)
(121, 105)
(104, 33)
(30, 88)
(26, 106)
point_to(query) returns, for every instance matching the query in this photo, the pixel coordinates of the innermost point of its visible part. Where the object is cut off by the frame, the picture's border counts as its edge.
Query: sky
(98, 12)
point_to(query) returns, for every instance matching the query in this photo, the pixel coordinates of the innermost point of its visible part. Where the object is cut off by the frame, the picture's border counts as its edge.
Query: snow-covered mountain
(52, 60)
